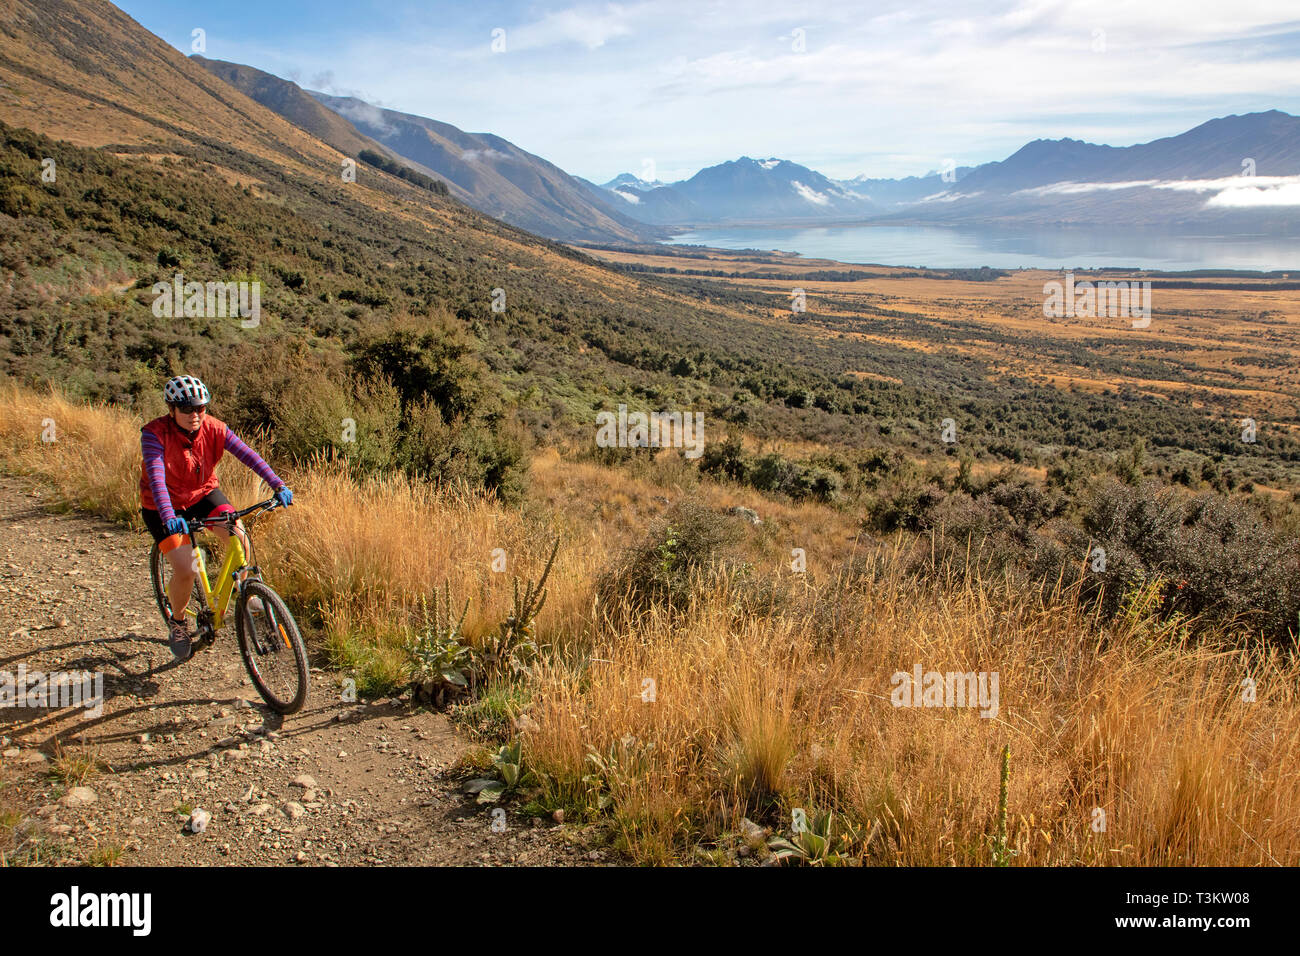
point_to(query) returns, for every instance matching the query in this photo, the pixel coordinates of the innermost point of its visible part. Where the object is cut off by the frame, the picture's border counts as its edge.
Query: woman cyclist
(178, 484)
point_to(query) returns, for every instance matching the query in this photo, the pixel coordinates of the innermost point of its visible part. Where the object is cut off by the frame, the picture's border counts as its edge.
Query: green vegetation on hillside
(378, 343)
(402, 171)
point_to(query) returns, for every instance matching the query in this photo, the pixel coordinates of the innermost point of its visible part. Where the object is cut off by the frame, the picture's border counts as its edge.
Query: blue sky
(886, 89)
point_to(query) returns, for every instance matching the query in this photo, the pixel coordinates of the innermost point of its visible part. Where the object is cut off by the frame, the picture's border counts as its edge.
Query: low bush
(664, 570)
(1215, 559)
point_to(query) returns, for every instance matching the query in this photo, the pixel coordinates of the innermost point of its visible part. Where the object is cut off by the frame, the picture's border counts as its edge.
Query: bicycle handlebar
(229, 517)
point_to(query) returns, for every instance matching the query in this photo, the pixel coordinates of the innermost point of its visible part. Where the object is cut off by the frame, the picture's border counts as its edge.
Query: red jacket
(189, 464)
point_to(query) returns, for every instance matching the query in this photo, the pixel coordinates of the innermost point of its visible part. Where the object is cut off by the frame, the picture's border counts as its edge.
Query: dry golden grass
(757, 714)
(1233, 338)
(770, 714)
(91, 452)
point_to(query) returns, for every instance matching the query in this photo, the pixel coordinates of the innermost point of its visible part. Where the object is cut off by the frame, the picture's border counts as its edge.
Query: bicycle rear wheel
(160, 574)
(272, 647)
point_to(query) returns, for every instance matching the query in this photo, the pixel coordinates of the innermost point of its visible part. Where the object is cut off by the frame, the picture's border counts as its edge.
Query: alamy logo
(1091, 300)
(655, 430)
(75, 909)
(212, 300)
(953, 689)
(55, 690)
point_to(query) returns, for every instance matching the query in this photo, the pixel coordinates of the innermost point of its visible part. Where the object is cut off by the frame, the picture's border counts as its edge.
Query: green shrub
(906, 506)
(435, 362)
(474, 453)
(726, 459)
(665, 568)
(1216, 558)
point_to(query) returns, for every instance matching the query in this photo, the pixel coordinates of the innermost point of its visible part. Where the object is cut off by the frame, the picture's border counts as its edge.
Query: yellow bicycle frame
(218, 598)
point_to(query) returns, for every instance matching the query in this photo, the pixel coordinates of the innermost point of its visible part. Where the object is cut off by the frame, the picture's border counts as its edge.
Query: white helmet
(185, 390)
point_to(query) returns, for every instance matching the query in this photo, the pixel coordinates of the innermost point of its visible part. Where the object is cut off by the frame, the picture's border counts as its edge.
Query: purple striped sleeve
(253, 460)
(152, 451)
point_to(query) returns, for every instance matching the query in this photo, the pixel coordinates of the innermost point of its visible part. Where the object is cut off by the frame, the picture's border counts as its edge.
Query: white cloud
(1229, 191)
(810, 194)
(949, 197)
(474, 155)
(356, 111)
(1071, 188)
(590, 26)
(594, 87)
(1287, 194)
(1258, 183)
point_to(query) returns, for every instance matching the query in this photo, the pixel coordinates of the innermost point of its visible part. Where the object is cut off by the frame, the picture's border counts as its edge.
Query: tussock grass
(94, 458)
(757, 708)
(76, 766)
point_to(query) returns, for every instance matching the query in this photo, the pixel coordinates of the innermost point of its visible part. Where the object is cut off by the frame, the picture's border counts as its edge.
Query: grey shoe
(178, 639)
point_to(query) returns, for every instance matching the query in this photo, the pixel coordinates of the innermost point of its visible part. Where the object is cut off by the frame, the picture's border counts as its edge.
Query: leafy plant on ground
(627, 760)
(509, 764)
(819, 841)
(492, 714)
(441, 664)
(444, 665)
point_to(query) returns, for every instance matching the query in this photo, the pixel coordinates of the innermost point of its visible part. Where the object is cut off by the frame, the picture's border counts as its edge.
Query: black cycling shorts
(205, 506)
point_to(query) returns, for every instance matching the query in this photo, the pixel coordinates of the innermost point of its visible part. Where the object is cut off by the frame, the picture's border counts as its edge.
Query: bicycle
(269, 639)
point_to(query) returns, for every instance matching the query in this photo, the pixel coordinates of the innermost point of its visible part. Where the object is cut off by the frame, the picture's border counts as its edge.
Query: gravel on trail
(184, 765)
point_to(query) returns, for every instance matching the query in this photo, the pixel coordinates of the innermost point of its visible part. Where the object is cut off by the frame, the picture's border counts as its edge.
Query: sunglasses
(191, 409)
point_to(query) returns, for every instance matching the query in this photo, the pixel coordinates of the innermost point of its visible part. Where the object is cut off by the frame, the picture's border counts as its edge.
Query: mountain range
(745, 189)
(1199, 178)
(1232, 172)
(485, 171)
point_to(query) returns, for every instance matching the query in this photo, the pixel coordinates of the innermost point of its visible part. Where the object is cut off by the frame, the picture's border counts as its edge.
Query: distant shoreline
(1281, 279)
(1053, 248)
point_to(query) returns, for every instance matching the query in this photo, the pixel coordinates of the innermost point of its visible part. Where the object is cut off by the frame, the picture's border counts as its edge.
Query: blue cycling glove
(177, 525)
(284, 496)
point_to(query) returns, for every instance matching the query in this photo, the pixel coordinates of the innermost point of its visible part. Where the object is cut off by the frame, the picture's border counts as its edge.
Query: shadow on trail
(105, 730)
(328, 714)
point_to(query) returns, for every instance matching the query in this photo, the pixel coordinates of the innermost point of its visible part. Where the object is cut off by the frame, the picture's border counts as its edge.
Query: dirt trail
(335, 784)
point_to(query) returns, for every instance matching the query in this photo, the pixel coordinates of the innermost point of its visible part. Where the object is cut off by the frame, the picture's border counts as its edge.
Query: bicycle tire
(197, 602)
(287, 631)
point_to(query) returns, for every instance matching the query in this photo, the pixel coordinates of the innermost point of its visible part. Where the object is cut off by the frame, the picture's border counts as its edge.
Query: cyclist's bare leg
(181, 585)
(224, 535)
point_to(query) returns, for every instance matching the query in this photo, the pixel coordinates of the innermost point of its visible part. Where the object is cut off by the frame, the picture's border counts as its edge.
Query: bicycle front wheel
(272, 647)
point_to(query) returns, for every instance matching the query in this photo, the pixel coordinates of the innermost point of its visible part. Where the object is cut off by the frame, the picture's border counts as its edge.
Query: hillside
(496, 176)
(84, 72)
(289, 101)
(266, 200)
(900, 472)
(349, 271)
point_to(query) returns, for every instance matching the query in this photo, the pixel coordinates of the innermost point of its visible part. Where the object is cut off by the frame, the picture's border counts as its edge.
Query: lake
(1034, 247)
